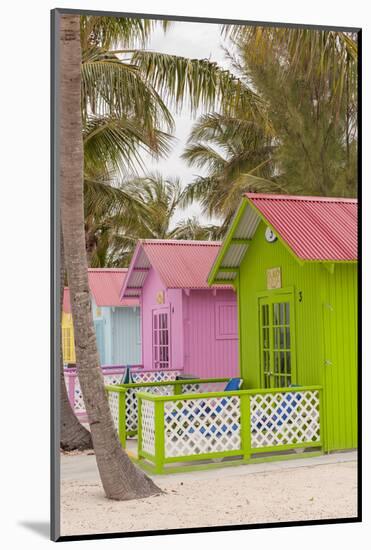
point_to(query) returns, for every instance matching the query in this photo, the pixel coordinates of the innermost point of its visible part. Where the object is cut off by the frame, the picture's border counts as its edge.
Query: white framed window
(161, 338)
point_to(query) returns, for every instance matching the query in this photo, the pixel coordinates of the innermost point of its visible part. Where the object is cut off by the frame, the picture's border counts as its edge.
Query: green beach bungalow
(293, 262)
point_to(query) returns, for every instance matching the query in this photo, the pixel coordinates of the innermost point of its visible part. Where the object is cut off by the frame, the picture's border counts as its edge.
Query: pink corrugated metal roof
(179, 263)
(182, 264)
(105, 285)
(315, 228)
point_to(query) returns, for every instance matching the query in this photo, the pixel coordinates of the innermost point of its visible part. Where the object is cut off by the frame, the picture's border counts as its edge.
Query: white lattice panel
(154, 376)
(113, 401)
(203, 387)
(131, 403)
(131, 409)
(148, 427)
(200, 426)
(284, 418)
(112, 379)
(79, 404)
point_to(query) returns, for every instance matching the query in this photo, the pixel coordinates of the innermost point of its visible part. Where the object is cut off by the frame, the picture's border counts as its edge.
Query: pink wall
(210, 333)
(200, 343)
(173, 301)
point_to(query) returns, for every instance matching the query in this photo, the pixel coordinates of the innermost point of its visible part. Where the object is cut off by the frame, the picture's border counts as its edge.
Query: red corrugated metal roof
(179, 263)
(105, 285)
(182, 264)
(315, 228)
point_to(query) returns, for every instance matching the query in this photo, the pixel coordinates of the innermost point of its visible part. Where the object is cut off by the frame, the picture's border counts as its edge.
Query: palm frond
(203, 190)
(117, 143)
(222, 128)
(111, 86)
(191, 229)
(112, 31)
(326, 58)
(201, 155)
(101, 199)
(196, 82)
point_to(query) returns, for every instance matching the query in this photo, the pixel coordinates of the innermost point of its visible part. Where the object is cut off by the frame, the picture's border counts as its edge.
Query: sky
(193, 40)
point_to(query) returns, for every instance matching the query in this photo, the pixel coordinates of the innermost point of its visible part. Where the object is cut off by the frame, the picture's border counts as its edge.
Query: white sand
(218, 497)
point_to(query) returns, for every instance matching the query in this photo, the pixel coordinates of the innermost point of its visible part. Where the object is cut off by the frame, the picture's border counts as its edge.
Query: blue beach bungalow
(117, 322)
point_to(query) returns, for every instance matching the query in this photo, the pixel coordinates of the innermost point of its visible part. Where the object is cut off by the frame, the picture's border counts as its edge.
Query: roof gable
(179, 264)
(315, 228)
(318, 229)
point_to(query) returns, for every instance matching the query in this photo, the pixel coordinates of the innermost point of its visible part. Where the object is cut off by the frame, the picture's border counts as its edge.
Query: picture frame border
(55, 480)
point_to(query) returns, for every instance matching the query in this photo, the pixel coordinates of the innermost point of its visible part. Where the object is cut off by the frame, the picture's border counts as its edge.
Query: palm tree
(114, 144)
(111, 85)
(116, 127)
(106, 89)
(304, 140)
(108, 210)
(309, 80)
(147, 212)
(73, 435)
(237, 154)
(324, 59)
(120, 478)
(111, 144)
(133, 121)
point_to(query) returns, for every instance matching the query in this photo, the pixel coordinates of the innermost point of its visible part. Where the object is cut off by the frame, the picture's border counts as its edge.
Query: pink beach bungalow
(185, 324)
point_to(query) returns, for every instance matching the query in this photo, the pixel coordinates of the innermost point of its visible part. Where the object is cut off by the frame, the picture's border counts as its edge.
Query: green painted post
(159, 436)
(122, 419)
(245, 426)
(238, 291)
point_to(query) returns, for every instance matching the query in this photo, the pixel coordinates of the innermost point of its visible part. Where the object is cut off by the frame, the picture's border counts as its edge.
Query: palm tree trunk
(73, 434)
(120, 478)
(90, 244)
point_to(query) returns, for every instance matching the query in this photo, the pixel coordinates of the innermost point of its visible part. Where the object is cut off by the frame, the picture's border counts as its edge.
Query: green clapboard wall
(325, 329)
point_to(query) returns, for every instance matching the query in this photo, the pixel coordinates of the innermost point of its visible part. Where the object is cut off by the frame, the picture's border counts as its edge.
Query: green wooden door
(277, 341)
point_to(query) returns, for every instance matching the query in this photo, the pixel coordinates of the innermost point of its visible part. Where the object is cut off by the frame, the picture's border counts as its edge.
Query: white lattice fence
(112, 379)
(131, 402)
(79, 404)
(285, 418)
(113, 401)
(203, 387)
(199, 426)
(148, 427)
(154, 376)
(109, 379)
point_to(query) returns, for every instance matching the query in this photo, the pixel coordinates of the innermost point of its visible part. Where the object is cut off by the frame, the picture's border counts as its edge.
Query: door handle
(328, 363)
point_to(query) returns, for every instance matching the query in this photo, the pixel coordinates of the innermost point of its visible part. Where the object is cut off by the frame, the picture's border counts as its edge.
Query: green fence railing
(124, 405)
(221, 425)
